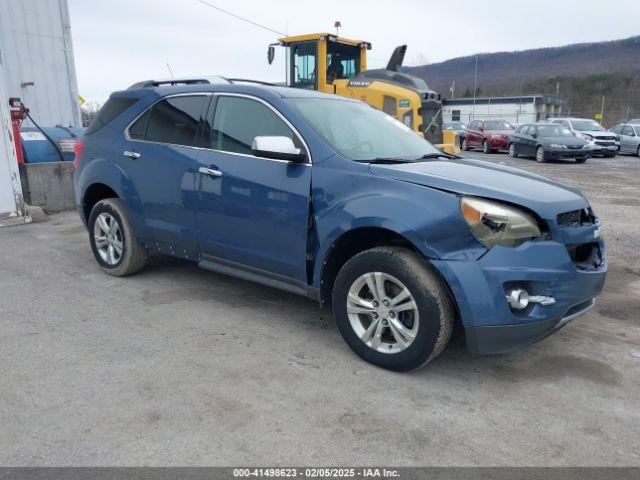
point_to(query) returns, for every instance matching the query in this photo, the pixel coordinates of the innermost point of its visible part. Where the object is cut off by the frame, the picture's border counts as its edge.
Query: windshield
(587, 125)
(497, 125)
(359, 132)
(554, 131)
(453, 125)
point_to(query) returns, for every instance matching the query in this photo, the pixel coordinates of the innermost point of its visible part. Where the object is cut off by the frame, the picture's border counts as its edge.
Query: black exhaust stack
(397, 57)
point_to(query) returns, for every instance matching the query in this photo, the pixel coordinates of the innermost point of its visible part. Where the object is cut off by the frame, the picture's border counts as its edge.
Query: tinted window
(497, 125)
(138, 130)
(587, 126)
(175, 120)
(554, 131)
(110, 110)
(239, 120)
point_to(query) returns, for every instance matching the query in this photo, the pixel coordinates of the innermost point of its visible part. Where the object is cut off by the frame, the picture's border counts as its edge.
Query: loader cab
(319, 61)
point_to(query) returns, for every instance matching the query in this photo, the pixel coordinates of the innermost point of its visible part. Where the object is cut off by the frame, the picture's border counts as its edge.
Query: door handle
(130, 154)
(212, 172)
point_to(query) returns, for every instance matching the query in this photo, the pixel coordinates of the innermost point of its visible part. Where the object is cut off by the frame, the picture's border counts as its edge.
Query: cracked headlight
(493, 223)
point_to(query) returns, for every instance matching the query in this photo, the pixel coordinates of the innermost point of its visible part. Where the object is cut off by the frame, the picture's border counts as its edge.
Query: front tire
(540, 155)
(392, 309)
(512, 150)
(113, 241)
(465, 144)
(581, 160)
(485, 146)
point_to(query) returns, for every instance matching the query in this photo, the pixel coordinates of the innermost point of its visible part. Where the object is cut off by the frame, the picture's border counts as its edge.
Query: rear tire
(540, 155)
(512, 150)
(401, 335)
(113, 240)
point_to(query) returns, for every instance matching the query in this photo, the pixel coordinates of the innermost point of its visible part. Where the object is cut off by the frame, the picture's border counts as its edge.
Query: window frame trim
(213, 95)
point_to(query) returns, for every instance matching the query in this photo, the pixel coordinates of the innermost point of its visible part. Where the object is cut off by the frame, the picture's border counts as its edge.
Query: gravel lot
(180, 366)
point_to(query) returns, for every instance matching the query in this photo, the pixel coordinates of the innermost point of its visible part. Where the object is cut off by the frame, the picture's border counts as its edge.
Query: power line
(239, 17)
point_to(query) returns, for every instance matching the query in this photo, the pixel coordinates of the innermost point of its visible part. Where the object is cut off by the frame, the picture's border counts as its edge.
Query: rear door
(252, 214)
(160, 161)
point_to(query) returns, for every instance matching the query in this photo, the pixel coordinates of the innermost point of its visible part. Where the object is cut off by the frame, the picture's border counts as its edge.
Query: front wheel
(113, 241)
(465, 145)
(392, 309)
(485, 147)
(581, 160)
(512, 150)
(540, 155)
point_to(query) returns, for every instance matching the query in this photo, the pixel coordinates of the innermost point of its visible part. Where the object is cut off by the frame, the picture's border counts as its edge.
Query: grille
(576, 218)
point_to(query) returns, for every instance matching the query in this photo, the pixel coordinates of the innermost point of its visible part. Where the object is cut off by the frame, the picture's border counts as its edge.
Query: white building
(522, 109)
(36, 49)
(11, 202)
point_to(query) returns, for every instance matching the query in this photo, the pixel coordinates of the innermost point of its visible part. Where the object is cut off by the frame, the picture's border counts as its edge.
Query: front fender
(350, 197)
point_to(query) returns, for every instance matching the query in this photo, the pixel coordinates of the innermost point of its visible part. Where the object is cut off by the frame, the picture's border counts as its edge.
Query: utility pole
(453, 89)
(628, 108)
(337, 25)
(602, 110)
(475, 87)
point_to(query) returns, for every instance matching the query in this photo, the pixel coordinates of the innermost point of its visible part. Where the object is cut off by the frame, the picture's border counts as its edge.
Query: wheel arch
(93, 194)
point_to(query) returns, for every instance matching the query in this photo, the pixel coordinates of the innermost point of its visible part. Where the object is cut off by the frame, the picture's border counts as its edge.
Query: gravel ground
(180, 366)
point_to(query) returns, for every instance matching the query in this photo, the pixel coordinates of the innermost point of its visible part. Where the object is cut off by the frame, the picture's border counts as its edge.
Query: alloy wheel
(108, 238)
(382, 312)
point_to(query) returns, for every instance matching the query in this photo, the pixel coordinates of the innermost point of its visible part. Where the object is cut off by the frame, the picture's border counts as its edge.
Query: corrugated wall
(35, 44)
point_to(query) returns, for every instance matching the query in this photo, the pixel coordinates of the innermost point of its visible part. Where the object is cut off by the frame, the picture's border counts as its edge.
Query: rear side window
(173, 120)
(110, 110)
(138, 130)
(238, 121)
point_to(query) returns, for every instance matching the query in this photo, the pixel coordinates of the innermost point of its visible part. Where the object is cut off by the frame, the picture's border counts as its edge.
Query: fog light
(518, 299)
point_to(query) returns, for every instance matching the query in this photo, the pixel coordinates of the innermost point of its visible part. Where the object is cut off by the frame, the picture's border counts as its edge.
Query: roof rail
(172, 82)
(248, 80)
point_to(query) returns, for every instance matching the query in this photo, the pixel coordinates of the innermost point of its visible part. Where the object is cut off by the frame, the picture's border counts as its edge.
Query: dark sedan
(548, 142)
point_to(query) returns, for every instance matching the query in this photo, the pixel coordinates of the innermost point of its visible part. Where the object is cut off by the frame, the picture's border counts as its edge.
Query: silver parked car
(601, 142)
(629, 137)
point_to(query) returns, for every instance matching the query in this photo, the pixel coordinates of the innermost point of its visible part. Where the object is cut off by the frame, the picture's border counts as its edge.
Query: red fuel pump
(18, 114)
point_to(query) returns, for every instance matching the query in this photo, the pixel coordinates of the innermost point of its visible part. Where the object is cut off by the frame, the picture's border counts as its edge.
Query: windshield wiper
(386, 160)
(427, 156)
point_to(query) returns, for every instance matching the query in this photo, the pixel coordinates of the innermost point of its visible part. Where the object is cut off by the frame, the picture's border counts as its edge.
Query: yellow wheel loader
(332, 64)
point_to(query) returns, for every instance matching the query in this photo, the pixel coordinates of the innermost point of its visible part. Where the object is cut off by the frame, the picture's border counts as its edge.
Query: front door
(252, 212)
(160, 161)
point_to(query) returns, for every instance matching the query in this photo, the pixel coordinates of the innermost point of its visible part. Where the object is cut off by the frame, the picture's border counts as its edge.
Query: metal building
(11, 202)
(522, 109)
(36, 50)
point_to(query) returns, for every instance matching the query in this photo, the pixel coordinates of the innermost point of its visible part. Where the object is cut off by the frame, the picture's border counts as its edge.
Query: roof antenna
(170, 70)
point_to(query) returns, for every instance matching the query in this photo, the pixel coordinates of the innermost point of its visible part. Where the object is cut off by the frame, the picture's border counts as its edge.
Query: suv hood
(597, 133)
(483, 179)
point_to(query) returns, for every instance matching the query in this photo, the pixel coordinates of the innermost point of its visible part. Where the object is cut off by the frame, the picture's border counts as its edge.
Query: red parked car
(489, 135)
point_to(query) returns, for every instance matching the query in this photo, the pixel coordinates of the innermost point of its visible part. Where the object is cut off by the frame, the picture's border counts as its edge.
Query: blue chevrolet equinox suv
(332, 199)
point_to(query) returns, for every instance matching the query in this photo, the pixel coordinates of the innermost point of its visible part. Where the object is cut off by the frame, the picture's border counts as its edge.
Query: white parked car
(602, 142)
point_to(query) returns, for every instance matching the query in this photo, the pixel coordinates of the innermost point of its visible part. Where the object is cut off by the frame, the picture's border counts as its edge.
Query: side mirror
(534, 135)
(278, 148)
(271, 53)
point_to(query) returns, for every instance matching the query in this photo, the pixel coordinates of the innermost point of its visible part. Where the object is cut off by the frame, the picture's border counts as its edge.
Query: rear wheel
(540, 155)
(512, 150)
(113, 241)
(485, 146)
(391, 309)
(638, 151)
(465, 144)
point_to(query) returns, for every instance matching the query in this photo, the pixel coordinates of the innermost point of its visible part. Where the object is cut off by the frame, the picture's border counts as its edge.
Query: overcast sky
(119, 42)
